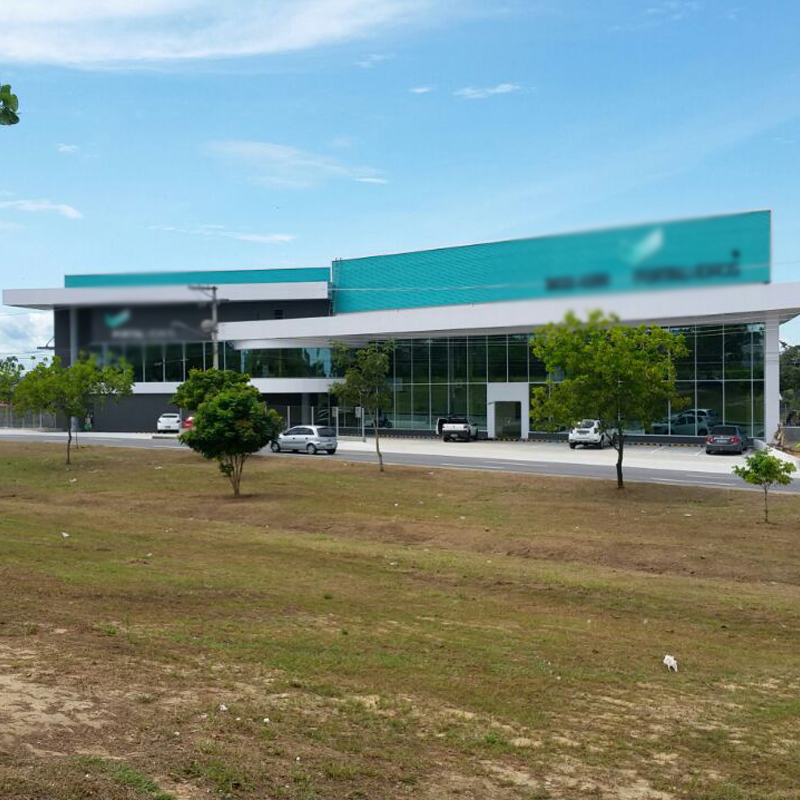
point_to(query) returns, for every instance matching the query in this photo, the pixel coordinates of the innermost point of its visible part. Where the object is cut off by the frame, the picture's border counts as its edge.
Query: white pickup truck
(457, 428)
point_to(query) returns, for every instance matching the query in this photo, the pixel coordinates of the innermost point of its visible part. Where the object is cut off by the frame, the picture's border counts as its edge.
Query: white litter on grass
(159, 467)
(73, 480)
(65, 534)
(671, 663)
(266, 720)
(687, 515)
(223, 707)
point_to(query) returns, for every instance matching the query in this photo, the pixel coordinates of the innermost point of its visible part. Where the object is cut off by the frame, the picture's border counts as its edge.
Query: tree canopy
(365, 384)
(231, 425)
(9, 105)
(622, 375)
(10, 374)
(790, 377)
(202, 385)
(71, 391)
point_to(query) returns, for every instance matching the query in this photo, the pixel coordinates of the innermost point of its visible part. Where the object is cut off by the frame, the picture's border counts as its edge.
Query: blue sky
(169, 134)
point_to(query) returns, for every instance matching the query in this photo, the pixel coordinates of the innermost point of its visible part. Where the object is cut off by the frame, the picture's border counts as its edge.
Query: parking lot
(689, 458)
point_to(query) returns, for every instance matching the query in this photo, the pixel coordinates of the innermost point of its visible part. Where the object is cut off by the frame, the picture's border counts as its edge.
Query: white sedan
(169, 423)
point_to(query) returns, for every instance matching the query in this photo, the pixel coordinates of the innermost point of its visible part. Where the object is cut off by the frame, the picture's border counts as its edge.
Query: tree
(9, 105)
(229, 427)
(365, 384)
(203, 385)
(790, 378)
(765, 470)
(10, 373)
(616, 373)
(71, 391)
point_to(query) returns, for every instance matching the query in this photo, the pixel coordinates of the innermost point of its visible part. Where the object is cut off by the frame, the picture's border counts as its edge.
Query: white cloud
(368, 62)
(282, 165)
(9, 226)
(113, 32)
(22, 332)
(372, 180)
(67, 149)
(222, 231)
(421, 89)
(471, 93)
(34, 206)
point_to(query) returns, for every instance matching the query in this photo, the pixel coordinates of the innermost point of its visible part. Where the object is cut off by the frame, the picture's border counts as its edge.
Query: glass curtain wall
(721, 377)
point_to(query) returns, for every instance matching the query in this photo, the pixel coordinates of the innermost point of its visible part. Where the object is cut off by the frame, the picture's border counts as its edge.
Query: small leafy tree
(365, 384)
(71, 391)
(765, 470)
(10, 374)
(203, 385)
(229, 427)
(616, 373)
(9, 105)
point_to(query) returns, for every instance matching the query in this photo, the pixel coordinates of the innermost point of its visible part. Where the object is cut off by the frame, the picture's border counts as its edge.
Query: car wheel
(572, 445)
(311, 449)
(331, 452)
(275, 447)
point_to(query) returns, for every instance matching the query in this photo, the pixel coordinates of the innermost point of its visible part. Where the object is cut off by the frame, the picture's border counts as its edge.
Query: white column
(772, 377)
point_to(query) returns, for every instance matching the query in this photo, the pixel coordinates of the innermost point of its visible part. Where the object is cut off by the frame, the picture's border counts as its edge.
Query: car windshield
(457, 421)
(586, 423)
(170, 416)
(724, 430)
(326, 432)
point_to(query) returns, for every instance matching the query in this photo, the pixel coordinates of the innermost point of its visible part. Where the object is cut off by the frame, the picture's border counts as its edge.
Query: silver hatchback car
(306, 438)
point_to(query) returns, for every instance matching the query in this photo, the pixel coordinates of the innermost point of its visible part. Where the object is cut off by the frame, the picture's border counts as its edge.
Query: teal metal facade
(222, 276)
(693, 253)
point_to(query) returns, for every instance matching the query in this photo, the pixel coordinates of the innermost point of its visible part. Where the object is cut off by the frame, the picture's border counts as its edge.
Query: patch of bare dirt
(35, 708)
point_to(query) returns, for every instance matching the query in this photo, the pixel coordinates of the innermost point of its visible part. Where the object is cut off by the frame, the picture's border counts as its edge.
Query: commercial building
(460, 318)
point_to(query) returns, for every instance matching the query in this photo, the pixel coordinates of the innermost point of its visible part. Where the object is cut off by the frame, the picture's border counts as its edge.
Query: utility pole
(211, 326)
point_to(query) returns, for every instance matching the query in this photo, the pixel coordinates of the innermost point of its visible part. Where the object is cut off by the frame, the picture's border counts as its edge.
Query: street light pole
(211, 326)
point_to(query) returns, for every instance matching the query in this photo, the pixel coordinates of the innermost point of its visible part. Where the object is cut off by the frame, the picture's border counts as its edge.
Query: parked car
(306, 438)
(169, 423)
(458, 428)
(188, 423)
(589, 433)
(726, 439)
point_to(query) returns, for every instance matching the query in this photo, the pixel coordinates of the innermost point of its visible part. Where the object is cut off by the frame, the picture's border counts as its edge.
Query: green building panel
(693, 253)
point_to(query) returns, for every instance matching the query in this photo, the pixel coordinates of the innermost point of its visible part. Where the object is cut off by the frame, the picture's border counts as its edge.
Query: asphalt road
(526, 467)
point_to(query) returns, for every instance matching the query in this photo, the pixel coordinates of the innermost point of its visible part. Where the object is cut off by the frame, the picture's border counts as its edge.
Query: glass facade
(721, 378)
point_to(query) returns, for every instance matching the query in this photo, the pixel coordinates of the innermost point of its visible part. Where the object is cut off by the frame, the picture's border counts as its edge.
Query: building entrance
(508, 420)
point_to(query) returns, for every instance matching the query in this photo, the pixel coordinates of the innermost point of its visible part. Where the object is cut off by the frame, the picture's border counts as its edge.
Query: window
(194, 356)
(498, 359)
(476, 356)
(173, 363)
(154, 363)
(518, 358)
(277, 313)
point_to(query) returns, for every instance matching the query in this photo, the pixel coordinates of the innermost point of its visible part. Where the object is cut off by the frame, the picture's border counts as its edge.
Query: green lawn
(425, 634)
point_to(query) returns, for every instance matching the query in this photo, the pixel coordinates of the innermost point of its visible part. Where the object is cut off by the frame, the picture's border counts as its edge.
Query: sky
(206, 134)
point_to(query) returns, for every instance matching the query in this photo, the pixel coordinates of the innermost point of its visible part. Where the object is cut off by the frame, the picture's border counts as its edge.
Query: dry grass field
(422, 634)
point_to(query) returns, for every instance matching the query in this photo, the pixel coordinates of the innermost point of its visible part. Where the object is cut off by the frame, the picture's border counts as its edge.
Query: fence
(9, 418)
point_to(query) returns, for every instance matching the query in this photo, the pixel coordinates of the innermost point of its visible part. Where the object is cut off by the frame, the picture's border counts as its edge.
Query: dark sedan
(725, 439)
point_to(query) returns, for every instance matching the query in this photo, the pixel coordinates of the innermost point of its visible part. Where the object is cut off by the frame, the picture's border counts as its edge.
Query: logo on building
(115, 320)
